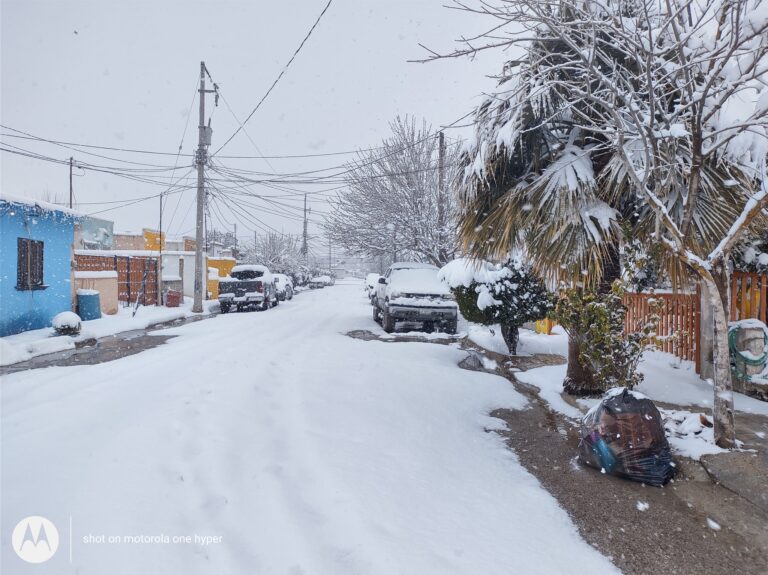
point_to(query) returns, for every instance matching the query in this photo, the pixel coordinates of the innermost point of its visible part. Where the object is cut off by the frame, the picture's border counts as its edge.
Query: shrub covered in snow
(596, 322)
(509, 294)
(66, 323)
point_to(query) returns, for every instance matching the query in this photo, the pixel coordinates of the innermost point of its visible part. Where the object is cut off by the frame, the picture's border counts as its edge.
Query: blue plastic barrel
(88, 304)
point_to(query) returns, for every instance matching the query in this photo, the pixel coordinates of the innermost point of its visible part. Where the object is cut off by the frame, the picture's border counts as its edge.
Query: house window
(29, 274)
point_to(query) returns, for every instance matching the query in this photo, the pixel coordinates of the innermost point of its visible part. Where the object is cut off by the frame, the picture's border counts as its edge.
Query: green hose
(740, 360)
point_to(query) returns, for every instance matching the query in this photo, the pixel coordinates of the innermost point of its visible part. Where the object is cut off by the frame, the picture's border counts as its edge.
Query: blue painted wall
(33, 309)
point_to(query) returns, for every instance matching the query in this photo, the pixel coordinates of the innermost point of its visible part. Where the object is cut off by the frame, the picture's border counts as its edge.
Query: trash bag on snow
(623, 435)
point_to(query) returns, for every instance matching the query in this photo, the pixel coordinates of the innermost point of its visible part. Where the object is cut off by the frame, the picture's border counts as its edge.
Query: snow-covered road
(304, 450)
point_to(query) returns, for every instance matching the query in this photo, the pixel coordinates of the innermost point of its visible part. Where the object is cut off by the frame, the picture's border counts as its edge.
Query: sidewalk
(712, 514)
(30, 344)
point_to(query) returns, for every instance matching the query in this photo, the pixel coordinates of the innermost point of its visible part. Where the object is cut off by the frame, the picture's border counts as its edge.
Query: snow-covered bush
(66, 323)
(509, 295)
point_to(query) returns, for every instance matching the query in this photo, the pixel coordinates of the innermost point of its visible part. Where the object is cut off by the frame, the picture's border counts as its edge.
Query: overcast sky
(123, 74)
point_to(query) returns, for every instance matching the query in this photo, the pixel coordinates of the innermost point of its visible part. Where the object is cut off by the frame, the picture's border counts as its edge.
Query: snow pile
(489, 337)
(672, 380)
(549, 381)
(465, 271)
(690, 434)
(66, 320)
(84, 291)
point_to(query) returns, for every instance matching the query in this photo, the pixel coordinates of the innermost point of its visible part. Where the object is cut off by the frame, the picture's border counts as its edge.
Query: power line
(279, 76)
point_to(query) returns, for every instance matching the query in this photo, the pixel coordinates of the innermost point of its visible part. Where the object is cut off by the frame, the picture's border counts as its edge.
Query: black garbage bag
(623, 435)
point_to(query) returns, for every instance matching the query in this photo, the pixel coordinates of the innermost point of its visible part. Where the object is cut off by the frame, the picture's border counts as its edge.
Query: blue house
(35, 263)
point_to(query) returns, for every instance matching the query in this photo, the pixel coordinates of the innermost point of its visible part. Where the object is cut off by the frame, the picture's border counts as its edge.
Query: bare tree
(279, 252)
(394, 204)
(659, 110)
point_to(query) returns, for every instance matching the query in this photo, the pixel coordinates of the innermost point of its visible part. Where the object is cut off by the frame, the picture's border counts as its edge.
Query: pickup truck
(247, 287)
(410, 292)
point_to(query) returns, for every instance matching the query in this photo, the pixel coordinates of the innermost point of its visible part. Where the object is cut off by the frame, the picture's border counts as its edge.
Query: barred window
(29, 270)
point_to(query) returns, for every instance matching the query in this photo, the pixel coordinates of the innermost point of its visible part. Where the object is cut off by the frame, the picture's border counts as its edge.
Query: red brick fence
(130, 274)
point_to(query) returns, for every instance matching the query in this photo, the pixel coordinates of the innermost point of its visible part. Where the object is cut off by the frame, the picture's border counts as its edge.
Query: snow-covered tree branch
(394, 204)
(641, 115)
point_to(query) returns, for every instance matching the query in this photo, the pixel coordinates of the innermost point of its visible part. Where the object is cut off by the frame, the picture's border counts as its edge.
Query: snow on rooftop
(12, 199)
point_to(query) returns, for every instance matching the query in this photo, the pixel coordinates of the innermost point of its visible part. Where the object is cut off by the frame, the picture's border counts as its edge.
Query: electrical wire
(279, 76)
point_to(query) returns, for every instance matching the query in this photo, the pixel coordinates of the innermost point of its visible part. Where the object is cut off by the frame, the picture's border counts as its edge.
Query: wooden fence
(749, 296)
(679, 314)
(130, 275)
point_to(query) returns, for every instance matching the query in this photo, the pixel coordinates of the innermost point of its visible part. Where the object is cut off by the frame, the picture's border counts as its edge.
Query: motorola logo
(35, 539)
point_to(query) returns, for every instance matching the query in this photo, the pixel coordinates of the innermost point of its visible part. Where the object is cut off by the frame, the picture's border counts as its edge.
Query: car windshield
(417, 280)
(247, 274)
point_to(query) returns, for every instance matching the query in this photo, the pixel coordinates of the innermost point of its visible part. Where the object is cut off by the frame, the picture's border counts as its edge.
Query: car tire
(263, 306)
(428, 327)
(387, 321)
(224, 307)
(450, 327)
(376, 316)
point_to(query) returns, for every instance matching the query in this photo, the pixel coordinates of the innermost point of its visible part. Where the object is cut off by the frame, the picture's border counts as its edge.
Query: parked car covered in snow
(248, 287)
(410, 292)
(320, 282)
(284, 286)
(371, 281)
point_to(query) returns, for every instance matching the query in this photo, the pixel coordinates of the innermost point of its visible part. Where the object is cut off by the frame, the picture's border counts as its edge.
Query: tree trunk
(578, 378)
(511, 335)
(722, 410)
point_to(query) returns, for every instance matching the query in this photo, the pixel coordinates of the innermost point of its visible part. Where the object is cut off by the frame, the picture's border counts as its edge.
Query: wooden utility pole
(304, 246)
(441, 195)
(201, 157)
(71, 192)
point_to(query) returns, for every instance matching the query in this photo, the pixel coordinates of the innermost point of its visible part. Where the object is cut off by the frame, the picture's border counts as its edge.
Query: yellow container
(545, 326)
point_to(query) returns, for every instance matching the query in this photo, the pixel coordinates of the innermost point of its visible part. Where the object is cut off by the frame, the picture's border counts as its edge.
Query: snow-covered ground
(529, 344)
(304, 450)
(667, 379)
(29, 344)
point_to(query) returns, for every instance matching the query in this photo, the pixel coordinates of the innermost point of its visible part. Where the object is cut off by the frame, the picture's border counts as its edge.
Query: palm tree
(630, 116)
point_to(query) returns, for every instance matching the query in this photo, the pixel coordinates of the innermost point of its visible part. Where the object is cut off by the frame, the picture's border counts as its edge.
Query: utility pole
(71, 193)
(304, 246)
(201, 156)
(234, 251)
(330, 266)
(440, 194)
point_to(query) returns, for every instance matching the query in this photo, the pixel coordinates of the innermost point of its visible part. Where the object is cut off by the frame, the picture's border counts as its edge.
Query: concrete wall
(128, 242)
(171, 270)
(105, 283)
(23, 310)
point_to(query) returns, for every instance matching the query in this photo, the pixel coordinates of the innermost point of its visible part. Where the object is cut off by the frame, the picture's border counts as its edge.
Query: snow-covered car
(248, 287)
(320, 282)
(371, 281)
(411, 293)
(284, 286)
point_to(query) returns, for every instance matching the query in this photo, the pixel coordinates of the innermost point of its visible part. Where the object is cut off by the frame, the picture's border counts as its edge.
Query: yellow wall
(152, 240)
(213, 288)
(224, 265)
